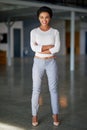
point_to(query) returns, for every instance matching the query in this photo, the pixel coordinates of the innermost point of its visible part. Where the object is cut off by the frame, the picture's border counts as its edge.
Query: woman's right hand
(47, 47)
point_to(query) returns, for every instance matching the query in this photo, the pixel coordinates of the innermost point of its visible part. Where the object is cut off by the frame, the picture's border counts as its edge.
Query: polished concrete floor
(15, 96)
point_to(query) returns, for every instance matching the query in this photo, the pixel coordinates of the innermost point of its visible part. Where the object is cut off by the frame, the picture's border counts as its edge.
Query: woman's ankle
(34, 119)
(55, 117)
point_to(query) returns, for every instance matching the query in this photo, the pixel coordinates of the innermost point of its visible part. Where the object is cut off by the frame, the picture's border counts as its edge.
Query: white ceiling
(21, 9)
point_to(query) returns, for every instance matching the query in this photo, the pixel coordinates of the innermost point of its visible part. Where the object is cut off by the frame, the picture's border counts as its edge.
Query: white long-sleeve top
(50, 37)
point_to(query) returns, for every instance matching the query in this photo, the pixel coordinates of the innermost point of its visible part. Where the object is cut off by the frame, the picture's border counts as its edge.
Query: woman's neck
(44, 28)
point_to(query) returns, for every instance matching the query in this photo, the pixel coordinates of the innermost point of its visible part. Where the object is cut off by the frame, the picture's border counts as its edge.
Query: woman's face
(44, 18)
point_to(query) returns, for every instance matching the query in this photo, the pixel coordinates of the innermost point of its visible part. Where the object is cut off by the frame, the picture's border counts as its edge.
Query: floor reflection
(72, 86)
(63, 102)
(4, 126)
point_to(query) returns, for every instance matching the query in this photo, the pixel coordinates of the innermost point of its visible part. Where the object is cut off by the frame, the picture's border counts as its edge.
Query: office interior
(17, 19)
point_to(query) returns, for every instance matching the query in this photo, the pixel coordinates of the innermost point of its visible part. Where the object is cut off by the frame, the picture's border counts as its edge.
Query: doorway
(77, 47)
(17, 42)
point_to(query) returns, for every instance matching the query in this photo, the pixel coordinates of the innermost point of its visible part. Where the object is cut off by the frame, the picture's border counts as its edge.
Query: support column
(72, 46)
(9, 24)
(9, 46)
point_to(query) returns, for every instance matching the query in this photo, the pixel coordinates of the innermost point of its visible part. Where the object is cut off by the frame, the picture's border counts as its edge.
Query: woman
(45, 42)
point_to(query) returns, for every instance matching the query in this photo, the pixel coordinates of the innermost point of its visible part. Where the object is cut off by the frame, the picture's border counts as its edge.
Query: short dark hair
(45, 9)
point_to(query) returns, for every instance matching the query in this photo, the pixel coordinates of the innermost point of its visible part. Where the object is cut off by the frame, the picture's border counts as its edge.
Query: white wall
(3, 29)
(83, 30)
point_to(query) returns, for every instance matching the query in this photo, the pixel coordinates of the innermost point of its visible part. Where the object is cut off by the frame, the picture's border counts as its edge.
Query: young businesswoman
(45, 42)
